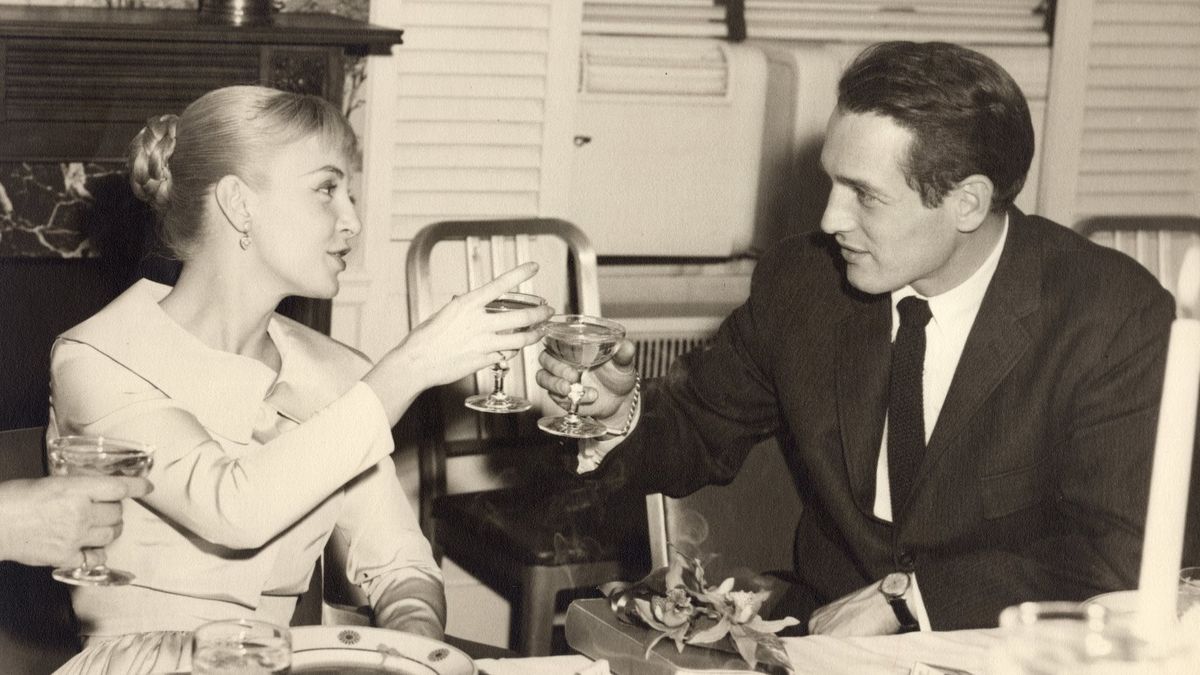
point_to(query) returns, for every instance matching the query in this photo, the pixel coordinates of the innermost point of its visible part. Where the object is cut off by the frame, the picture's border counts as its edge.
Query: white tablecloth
(887, 655)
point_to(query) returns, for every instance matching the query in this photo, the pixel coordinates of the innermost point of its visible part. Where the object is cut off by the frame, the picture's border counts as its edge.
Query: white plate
(1116, 602)
(360, 650)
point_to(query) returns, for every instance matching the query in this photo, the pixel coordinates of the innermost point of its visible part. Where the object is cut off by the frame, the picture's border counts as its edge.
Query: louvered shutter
(1140, 146)
(470, 118)
(965, 21)
(473, 119)
(677, 18)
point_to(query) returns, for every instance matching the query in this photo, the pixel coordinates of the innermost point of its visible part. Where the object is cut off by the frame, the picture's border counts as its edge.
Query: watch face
(894, 584)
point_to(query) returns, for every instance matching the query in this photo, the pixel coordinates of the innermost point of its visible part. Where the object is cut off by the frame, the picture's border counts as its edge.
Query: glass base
(490, 403)
(572, 427)
(96, 576)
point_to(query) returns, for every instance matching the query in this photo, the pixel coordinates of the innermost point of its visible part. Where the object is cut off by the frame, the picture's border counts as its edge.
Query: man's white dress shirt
(945, 336)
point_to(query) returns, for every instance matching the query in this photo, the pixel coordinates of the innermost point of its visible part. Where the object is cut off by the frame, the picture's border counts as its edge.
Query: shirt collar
(961, 301)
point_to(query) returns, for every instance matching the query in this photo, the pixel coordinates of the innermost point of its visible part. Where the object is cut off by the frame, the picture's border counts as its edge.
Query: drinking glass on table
(500, 401)
(241, 646)
(1043, 638)
(97, 456)
(584, 342)
(1188, 598)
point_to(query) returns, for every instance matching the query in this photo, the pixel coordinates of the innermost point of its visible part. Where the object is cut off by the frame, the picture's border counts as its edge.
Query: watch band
(908, 622)
(893, 587)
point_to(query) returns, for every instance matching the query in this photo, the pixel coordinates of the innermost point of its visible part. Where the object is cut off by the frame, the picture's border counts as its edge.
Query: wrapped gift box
(592, 629)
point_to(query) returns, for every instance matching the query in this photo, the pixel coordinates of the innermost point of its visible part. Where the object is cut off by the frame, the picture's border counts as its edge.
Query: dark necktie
(906, 409)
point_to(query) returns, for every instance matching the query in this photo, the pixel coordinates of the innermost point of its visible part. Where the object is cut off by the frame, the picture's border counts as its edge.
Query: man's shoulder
(810, 259)
(805, 270)
(1071, 260)
(1079, 280)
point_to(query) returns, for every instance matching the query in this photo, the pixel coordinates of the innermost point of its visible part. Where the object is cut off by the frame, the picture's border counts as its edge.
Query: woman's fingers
(519, 320)
(105, 514)
(502, 284)
(99, 537)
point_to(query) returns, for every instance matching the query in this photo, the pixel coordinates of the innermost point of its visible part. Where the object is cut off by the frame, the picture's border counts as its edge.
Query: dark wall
(63, 258)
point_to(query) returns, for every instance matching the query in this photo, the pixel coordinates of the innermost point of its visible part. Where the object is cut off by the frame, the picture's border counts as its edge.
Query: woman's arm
(389, 557)
(237, 500)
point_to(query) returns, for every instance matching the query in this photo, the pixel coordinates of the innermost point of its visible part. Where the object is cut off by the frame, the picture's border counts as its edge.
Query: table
(884, 655)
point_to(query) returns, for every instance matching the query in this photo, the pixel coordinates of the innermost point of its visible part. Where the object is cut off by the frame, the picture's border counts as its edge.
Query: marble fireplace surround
(76, 83)
(63, 191)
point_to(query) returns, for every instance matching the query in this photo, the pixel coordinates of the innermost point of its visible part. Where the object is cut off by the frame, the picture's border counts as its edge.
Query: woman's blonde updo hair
(175, 161)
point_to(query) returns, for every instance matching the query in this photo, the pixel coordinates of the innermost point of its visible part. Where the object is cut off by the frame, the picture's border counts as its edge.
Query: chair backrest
(746, 527)
(477, 251)
(447, 258)
(38, 631)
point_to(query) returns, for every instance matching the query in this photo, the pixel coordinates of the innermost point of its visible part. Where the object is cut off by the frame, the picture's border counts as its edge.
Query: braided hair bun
(149, 152)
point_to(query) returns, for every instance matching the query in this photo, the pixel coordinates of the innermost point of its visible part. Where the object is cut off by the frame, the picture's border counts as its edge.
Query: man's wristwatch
(893, 587)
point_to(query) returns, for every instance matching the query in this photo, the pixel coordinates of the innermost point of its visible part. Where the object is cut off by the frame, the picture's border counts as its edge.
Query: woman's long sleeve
(388, 556)
(234, 499)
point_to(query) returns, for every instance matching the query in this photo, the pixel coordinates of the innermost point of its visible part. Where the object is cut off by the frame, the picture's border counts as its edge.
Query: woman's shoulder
(316, 348)
(123, 317)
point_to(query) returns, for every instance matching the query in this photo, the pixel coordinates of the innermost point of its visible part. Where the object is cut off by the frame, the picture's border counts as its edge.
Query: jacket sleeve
(235, 500)
(699, 422)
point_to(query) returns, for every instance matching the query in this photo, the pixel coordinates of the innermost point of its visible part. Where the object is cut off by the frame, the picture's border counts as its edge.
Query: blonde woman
(268, 434)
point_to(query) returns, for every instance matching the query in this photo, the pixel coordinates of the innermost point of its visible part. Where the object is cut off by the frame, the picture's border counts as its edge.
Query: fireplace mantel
(76, 84)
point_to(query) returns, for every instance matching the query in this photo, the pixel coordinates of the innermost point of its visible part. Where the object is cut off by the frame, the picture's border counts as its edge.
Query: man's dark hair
(966, 114)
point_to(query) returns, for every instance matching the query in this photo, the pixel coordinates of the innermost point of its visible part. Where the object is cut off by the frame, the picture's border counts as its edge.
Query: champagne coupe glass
(584, 342)
(97, 456)
(241, 647)
(500, 401)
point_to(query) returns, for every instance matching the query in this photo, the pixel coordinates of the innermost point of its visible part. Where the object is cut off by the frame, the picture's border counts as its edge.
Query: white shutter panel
(1140, 145)
(968, 21)
(471, 117)
(678, 18)
(477, 112)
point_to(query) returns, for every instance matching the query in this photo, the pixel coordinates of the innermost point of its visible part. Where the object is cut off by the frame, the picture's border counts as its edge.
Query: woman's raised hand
(459, 339)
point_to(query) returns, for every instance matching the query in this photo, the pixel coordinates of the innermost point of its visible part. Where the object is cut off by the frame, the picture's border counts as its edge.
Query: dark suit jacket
(1035, 481)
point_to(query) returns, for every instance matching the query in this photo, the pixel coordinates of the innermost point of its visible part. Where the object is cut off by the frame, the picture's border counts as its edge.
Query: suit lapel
(996, 341)
(864, 362)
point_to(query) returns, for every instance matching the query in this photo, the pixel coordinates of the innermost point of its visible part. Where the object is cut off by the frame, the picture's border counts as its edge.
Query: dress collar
(223, 390)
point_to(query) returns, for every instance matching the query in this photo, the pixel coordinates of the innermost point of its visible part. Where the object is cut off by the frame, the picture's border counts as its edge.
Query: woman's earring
(244, 242)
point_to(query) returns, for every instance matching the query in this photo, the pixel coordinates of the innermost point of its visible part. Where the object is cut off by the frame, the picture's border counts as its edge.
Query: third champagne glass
(584, 342)
(97, 456)
(500, 401)
(242, 647)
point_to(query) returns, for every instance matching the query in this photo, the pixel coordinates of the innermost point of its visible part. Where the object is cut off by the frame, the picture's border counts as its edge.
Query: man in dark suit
(968, 394)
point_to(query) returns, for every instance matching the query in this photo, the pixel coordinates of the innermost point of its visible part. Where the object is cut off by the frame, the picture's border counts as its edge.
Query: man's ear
(234, 198)
(971, 201)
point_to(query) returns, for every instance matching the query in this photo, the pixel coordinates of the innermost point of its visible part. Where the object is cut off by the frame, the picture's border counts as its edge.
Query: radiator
(660, 340)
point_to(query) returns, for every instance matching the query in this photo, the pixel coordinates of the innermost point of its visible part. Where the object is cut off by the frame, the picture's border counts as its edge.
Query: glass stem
(90, 569)
(575, 395)
(499, 370)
